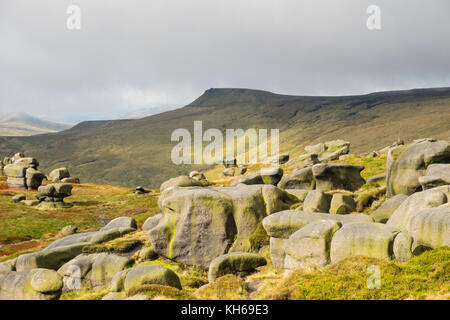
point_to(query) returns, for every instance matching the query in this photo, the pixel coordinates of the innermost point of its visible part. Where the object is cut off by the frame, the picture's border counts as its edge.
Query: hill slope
(23, 124)
(132, 152)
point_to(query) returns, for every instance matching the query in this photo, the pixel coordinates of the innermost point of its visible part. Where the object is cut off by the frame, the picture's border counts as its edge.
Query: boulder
(403, 247)
(278, 251)
(298, 179)
(105, 266)
(311, 244)
(72, 180)
(151, 222)
(385, 211)
(18, 198)
(33, 178)
(264, 176)
(379, 179)
(200, 224)
(234, 171)
(430, 227)
(298, 193)
(280, 158)
(234, 263)
(337, 176)
(435, 176)
(121, 222)
(197, 175)
(405, 164)
(58, 174)
(151, 274)
(30, 203)
(181, 181)
(342, 204)
(283, 224)
(317, 201)
(374, 240)
(37, 284)
(431, 198)
(68, 230)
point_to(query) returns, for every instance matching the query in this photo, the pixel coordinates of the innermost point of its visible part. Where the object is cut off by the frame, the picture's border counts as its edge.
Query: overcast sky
(131, 54)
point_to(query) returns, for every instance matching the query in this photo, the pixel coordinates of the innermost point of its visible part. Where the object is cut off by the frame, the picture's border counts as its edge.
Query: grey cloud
(133, 54)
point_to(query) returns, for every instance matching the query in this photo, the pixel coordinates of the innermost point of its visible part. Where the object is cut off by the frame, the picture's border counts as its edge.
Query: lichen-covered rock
(144, 274)
(106, 266)
(317, 201)
(298, 179)
(68, 230)
(431, 198)
(197, 175)
(299, 193)
(118, 281)
(72, 180)
(374, 240)
(283, 224)
(264, 176)
(385, 211)
(18, 197)
(403, 247)
(311, 244)
(151, 222)
(277, 251)
(121, 222)
(8, 266)
(379, 179)
(33, 178)
(333, 176)
(147, 253)
(181, 181)
(405, 164)
(200, 224)
(58, 174)
(430, 227)
(234, 263)
(435, 176)
(342, 204)
(36, 284)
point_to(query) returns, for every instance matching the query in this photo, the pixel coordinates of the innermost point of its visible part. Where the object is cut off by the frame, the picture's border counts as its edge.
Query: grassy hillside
(137, 152)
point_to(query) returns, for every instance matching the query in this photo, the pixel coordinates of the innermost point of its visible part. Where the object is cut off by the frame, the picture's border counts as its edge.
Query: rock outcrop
(406, 164)
(200, 224)
(241, 263)
(338, 176)
(22, 173)
(264, 176)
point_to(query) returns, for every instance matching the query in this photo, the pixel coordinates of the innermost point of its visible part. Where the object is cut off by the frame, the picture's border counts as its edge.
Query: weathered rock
(197, 175)
(115, 296)
(298, 179)
(374, 240)
(58, 174)
(311, 244)
(48, 258)
(299, 193)
(106, 266)
(181, 181)
(72, 180)
(33, 178)
(283, 224)
(431, 198)
(30, 203)
(151, 222)
(435, 176)
(278, 251)
(405, 164)
(264, 176)
(337, 176)
(18, 197)
(280, 158)
(144, 274)
(430, 227)
(17, 156)
(342, 204)
(68, 230)
(8, 266)
(37, 284)
(147, 253)
(403, 245)
(118, 281)
(201, 224)
(27, 162)
(121, 222)
(385, 211)
(234, 263)
(317, 201)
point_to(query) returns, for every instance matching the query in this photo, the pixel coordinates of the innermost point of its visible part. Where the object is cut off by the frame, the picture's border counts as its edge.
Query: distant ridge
(138, 152)
(24, 124)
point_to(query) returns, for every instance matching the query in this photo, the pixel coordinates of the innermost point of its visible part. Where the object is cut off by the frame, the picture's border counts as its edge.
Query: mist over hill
(138, 152)
(24, 124)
